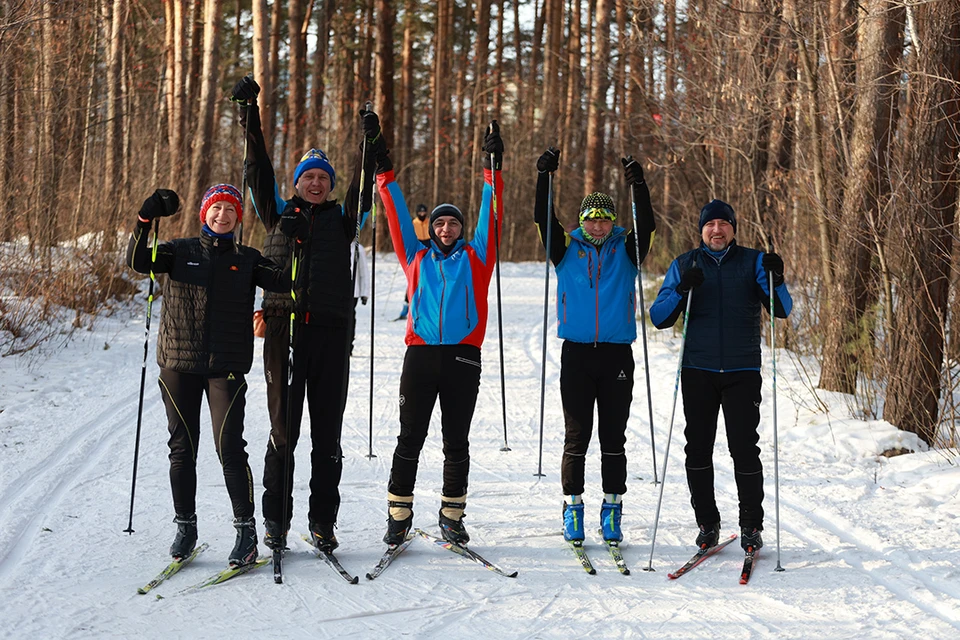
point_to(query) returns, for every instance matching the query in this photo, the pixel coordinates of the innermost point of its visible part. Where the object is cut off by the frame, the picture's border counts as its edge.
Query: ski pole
(288, 427)
(776, 452)
(143, 372)
(643, 323)
(673, 411)
(368, 106)
(496, 232)
(373, 306)
(546, 300)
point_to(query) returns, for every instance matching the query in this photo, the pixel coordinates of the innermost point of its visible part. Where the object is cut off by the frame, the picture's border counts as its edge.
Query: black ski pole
(546, 301)
(643, 323)
(373, 306)
(288, 427)
(776, 448)
(368, 106)
(496, 232)
(143, 373)
(673, 411)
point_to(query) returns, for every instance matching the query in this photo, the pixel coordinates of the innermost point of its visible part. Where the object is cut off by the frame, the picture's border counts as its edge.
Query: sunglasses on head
(597, 213)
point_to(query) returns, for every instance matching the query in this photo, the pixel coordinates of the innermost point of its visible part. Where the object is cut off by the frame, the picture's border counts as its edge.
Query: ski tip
(625, 572)
(672, 576)
(369, 577)
(277, 579)
(512, 575)
(356, 579)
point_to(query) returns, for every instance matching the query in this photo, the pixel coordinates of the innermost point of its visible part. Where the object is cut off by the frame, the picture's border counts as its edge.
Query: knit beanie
(221, 193)
(597, 206)
(315, 159)
(718, 210)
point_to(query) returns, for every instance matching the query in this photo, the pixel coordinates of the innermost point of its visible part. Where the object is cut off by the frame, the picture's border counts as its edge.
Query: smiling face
(222, 217)
(717, 234)
(313, 186)
(447, 229)
(598, 228)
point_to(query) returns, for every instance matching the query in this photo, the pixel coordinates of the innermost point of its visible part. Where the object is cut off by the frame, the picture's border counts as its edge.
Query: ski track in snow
(864, 558)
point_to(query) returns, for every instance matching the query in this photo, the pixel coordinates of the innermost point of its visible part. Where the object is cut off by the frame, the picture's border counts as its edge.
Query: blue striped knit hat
(315, 159)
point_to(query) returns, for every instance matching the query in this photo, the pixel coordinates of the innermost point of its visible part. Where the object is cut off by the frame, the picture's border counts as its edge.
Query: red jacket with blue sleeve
(447, 292)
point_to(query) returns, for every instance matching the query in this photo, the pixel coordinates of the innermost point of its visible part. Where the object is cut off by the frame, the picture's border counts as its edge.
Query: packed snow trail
(870, 545)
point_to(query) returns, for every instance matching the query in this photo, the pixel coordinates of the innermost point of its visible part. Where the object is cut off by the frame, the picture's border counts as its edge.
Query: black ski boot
(750, 539)
(321, 533)
(398, 529)
(709, 535)
(274, 535)
(453, 530)
(245, 550)
(186, 540)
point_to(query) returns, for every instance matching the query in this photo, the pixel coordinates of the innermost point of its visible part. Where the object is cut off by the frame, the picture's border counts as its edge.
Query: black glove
(492, 144)
(691, 279)
(370, 123)
(294, 223)
(245, 91)
(773, 264)
(363, 299)
(161, 204)
(549, 161)
(632, 170)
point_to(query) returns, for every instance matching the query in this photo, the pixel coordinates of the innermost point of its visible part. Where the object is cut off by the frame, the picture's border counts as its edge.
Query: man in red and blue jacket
(596, 268)
(447, 282)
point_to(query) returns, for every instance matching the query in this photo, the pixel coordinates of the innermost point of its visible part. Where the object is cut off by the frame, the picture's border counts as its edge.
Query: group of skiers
(308, 273)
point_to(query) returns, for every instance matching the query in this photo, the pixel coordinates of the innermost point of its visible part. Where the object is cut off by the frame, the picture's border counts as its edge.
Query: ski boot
(573, 520)
(245, 550)
(186, 539)
(750, 539)
(709, 535)
(610, 512)
(274, 535)
(321, 533)
(399, 519)
(451, 520)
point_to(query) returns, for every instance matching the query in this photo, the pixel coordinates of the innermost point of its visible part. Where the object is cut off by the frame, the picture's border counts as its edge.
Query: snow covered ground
(871, 546)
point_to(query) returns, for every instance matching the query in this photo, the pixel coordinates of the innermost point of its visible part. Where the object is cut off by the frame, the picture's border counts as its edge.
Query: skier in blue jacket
(721, 362)
(596, 267)
(447, 282)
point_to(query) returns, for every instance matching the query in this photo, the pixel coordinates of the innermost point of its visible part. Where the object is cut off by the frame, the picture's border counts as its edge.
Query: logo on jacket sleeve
(622, 376)
(234, 267)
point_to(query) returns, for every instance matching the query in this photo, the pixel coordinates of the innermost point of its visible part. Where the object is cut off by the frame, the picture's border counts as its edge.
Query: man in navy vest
(721, 361)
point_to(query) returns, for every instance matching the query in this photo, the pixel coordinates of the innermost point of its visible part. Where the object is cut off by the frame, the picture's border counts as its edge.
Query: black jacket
(324, 286)
(206, 322)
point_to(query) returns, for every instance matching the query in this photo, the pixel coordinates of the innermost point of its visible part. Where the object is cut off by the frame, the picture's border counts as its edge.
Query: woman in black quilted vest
(206, 347)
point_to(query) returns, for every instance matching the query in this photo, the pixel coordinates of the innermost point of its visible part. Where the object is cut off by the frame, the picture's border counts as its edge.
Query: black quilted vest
(206, 322)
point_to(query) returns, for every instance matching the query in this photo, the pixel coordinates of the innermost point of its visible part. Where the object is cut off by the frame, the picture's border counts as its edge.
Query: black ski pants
(598, 374)
(738, 393)
(451, 372)
(182, 395)
(320, 372)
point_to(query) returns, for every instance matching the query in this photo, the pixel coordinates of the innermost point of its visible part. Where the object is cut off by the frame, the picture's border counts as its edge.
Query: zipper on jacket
(596, 337)
(443, 290)
(466, 291)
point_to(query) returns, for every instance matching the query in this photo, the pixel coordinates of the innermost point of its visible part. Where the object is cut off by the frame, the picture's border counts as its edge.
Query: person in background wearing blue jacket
(596, 267)
(447, 283)
(721, 362)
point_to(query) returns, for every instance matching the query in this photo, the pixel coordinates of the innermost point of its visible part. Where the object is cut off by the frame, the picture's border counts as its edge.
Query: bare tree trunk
(550, 103)
(443, 45)
(114, 157)
(8, 83)
(203, 140)
(928, 205)
(667, 109)
(193, 68)
(596, 109)
(366, 60)
(385, 108)
(498, 64)
(406, 104)
(517, 56)
(297, 82)
(261, 67)
(268, 107)
(478, 100)
(178, 155)
(865, 192)
(319, 74)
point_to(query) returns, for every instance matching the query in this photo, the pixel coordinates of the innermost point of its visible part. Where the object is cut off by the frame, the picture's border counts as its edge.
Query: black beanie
(718, 210)
(445, 210)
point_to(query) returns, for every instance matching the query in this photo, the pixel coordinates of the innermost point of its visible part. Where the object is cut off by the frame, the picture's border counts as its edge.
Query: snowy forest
(832, 127)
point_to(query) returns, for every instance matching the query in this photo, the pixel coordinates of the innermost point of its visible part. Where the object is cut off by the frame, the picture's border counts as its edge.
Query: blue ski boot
(573, 520)
(610, 518)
